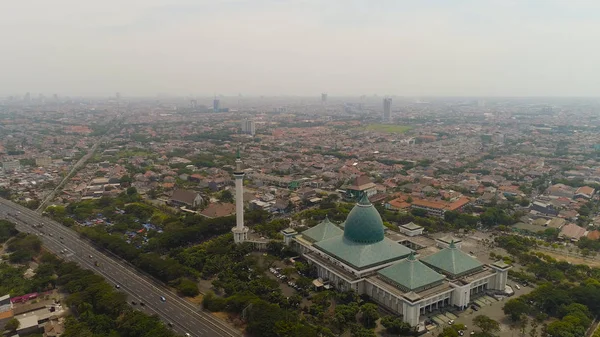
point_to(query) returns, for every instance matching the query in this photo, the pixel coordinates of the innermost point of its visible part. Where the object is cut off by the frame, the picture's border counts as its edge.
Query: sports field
(388, 128)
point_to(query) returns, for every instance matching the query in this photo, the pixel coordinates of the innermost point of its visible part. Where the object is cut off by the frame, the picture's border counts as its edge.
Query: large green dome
(364, 224)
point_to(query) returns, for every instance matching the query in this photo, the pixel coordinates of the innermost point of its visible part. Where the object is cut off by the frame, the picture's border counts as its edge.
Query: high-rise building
(323, 98)
(240, 232)
(27, 97)
(249, 127)
(216, 105)
(193, 104)
(387, 108)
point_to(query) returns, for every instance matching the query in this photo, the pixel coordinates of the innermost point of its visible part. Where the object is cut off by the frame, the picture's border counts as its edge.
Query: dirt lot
(572, 259)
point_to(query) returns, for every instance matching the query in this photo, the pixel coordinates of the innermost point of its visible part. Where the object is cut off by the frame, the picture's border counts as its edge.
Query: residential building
(387, 109)
(411, 229)
(360, 185)
(186, 198)
(218, 210)
(572, 232)
(12, 165)
(43, 161)
(585, 192)
(249, 127)
(439, 208)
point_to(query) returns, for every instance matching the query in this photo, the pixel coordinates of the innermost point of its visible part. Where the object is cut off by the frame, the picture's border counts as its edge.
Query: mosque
(356, 255)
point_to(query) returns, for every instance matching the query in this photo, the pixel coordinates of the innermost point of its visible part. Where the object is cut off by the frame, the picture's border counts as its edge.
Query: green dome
(364, 224)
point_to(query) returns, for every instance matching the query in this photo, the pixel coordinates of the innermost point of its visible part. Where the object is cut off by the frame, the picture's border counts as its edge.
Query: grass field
(388, 128)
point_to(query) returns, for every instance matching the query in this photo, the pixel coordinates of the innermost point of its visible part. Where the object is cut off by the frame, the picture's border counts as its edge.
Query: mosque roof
(323, 231)
(452, 261)
(364, 224)
(411, 274)
(363, 255)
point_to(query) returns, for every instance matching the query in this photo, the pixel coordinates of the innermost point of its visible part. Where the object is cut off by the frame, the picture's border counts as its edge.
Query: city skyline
(302, 48)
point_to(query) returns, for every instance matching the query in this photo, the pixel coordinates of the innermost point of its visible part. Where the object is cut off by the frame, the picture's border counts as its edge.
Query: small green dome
(364, 224)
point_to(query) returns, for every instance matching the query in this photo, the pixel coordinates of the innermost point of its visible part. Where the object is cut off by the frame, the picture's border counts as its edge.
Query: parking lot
(486, 305)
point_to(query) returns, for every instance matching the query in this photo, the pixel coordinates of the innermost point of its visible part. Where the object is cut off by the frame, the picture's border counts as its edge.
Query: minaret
(240, 232)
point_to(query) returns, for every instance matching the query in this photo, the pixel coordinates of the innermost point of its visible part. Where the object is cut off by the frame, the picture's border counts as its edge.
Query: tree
(226, 196)
(359, 331)
(418, 212)
(187, 287)
(369, 314)
(534, 326)
(131, 191)
(487, 325)
(262, 319)
(515, 308)
(395, 325)
(12, 325)
(524, 321)
(7, 230)
(448, 332)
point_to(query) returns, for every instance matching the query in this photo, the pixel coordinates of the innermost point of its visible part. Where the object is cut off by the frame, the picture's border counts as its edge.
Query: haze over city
(406, 48)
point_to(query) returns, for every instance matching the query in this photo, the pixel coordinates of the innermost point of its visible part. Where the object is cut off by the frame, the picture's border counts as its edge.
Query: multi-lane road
(184, 316)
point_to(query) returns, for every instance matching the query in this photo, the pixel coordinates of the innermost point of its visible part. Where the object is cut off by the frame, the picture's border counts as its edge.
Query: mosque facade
(356, 255)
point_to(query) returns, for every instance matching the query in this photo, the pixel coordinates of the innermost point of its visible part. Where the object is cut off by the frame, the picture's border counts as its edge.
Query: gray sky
(301, 47)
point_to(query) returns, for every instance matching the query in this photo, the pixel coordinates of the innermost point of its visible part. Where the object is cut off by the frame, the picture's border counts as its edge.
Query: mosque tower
(240, 232)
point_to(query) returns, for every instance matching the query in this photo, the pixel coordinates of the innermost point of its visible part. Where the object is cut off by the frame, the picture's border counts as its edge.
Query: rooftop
(411, 226)
(364, 224)
(363, 255)
(452, 261)
(323, 231)
(411, 274)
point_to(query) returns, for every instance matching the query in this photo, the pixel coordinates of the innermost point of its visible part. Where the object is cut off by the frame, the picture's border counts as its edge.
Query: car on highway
(170, 324)
(142, 304)
(162, 298)
(90, 256)
(133, 302)
(187, 334)
(117, 286)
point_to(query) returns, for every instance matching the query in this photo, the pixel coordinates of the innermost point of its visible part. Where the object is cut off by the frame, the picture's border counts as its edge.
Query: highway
(183, 315)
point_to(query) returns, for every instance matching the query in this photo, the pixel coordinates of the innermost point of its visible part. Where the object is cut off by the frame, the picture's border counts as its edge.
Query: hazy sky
(300, 47)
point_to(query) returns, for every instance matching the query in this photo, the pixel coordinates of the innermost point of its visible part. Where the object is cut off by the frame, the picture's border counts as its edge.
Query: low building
(543, 208)
(572, 232)
(584, 192)
(306, 193)
(411, 229)
(359, 186)
(186, 198)
(99, 181)
(218, 210)
(28, 325)
(439, 208)
(5, 303)
(12, 165)
(43, 161)
(556, 223)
